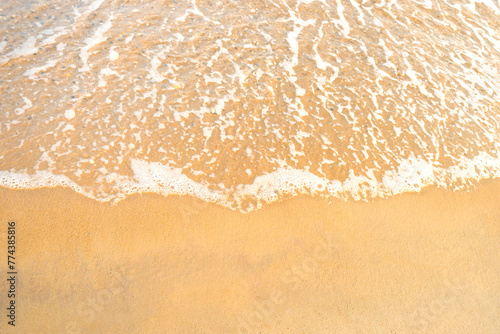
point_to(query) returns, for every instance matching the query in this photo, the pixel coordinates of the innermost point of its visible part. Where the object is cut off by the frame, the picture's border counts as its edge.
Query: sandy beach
(414, 263)
(181, 167)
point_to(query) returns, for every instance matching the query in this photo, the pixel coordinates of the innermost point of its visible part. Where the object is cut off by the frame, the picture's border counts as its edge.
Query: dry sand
(415, 263)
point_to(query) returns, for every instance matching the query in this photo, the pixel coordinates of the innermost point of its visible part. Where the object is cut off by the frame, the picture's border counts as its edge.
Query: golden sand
(414, 263)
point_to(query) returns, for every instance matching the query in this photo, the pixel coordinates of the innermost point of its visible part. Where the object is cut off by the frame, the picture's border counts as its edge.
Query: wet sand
(414, 263)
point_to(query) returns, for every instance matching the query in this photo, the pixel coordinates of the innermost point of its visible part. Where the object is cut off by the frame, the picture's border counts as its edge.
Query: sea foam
(412, 175)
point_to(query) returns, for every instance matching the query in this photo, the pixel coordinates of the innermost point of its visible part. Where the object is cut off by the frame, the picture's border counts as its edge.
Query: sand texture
(414, 263)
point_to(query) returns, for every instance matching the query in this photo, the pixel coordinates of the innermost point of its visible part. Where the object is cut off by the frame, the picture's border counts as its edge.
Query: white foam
(342, 22)
(27, 48)
(113, 55)
(69, 114)
(97, 38)
(3, 44)
(153, 72)
(55, 33)
(411, 175)
(28, 104)
(32, 71)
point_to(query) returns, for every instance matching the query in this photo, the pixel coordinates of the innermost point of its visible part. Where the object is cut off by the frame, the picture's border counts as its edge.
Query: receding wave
(244, 103)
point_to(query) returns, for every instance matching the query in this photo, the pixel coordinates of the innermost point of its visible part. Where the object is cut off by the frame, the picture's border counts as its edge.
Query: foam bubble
(69, 114)
(411, 175)
(113, 55)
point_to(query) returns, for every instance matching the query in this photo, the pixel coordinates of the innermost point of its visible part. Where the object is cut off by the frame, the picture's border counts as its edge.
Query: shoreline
(413, 175)
(415, 262)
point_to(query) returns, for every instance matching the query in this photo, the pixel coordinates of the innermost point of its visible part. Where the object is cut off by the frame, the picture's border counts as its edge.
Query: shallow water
(242, 103)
